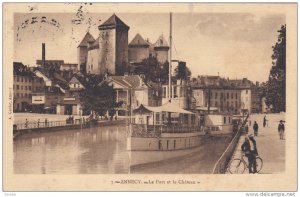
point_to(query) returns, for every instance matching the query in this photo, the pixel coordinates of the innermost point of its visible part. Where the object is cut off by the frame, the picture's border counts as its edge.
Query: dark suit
(250, 154)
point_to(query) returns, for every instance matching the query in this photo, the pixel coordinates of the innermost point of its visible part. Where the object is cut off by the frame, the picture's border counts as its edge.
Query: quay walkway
(270, 148)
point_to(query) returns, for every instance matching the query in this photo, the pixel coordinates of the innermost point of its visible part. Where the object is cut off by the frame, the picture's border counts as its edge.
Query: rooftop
(113, 22)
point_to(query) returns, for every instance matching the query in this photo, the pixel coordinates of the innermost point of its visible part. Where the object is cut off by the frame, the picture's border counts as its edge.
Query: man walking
(255, 128)
(250, 150)
(281, 129)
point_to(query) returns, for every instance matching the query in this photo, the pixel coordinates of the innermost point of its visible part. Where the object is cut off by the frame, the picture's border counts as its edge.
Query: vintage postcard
(150, 97)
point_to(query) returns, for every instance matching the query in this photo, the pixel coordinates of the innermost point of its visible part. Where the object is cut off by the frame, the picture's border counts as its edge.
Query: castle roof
(113, 22)
(161, 42)
(94, 45)
(138, 40)
(87, 38)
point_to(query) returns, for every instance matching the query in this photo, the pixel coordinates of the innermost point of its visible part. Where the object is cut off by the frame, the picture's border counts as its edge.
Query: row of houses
(38, 91)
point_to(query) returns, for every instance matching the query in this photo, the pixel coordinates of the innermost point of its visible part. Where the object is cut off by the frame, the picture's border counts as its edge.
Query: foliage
(153, 70)
(275, 88)
(98, 98)
(182, 72)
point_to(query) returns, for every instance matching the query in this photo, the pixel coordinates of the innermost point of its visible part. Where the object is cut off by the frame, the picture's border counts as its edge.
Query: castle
(111, 53)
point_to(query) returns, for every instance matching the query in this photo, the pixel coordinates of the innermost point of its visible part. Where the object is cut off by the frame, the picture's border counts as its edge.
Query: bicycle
(238, 166)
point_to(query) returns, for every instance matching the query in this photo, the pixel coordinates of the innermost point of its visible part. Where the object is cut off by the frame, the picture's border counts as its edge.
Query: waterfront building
(229, 96)
(46, 99)
(132, 91)
(82, 52)
(70, 104)
(24, 84)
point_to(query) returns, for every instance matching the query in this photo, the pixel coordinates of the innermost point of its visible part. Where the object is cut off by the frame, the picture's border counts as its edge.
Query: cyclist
(250, 150)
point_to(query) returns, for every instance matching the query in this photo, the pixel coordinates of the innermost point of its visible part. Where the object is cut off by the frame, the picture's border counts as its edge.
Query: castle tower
(82, 51)
(113, 41)
(138, 49)
(161, 49)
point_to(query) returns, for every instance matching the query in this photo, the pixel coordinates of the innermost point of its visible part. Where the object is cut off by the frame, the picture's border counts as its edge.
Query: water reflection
(93, 150)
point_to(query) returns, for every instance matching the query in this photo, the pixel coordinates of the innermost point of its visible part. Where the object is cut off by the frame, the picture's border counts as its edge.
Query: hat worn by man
(250, 136)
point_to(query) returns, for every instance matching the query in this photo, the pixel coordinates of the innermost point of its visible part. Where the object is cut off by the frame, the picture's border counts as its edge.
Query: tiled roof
(138, 40)
(131, 81)
(87, 38)
(113, 22)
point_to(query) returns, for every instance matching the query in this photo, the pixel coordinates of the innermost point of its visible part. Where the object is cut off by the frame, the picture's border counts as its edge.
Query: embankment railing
(221, 165)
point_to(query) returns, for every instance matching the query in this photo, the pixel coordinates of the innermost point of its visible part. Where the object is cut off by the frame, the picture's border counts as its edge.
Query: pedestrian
(46, 122)
(265, 121)
(281, 129)
(26, 123)
(255, 128)
(250, 150)
(38, 123)
(246, 128)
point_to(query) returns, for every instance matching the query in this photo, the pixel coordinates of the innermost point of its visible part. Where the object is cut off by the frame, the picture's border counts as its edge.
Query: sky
(233, 45)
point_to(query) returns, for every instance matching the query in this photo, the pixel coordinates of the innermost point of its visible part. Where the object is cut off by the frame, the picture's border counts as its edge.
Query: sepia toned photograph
(149, 97)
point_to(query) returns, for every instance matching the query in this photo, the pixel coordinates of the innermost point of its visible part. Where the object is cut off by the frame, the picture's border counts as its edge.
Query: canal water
(102, 150)
(93, 150)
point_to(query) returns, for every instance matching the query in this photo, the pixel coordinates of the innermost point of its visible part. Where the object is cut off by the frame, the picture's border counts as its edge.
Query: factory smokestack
(43, 54)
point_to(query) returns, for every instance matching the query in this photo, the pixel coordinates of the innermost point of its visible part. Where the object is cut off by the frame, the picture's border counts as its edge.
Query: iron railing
(37, 124)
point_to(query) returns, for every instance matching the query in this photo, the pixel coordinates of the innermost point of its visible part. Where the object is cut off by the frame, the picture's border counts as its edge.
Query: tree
(153, 70)
(276, 85)
(98, 98)
(182, 72)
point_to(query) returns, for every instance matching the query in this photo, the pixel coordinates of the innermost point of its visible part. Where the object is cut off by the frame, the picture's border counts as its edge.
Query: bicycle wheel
(236, 166)
(259, 164)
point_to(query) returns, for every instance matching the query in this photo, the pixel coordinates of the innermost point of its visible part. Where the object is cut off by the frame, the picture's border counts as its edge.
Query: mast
(170, 57)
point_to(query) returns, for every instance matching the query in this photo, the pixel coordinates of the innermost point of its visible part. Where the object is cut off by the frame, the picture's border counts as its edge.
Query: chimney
(43, 54)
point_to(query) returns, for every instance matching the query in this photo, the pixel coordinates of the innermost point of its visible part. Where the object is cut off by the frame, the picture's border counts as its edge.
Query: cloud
(245, 27)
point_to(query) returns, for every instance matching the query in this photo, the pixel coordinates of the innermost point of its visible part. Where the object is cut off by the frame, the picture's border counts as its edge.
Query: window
(246, 91)
(21, 79)
(216, 95)
(21, 95)
(227, 95)
(17, 95)
(216, 104)
(175, 92)
(17, 79)
(236, 96)
(164, 93)
(21, 87)
(193, 119)
(25, 79)
(228, 119)
(29, 80)
(29, 87)
(181, 91)
(236, 103)
(225, 120)
(25, 87)
(231, 95)
(25, 95)
(221, 97)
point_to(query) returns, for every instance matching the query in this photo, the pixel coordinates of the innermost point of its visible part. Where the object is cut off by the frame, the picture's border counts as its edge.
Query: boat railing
(143, 130)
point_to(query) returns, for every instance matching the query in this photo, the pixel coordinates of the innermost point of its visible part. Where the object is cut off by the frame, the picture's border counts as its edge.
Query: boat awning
(169, 107)
(206, 108)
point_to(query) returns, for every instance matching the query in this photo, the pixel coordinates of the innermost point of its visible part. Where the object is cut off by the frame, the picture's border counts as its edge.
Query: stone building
(82, 51)
(230, 96)
(138, 49)
(25, 83)
(109, 52)
(161, 49)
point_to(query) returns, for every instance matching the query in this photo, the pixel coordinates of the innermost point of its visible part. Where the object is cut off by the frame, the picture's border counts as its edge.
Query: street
(270, 148)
